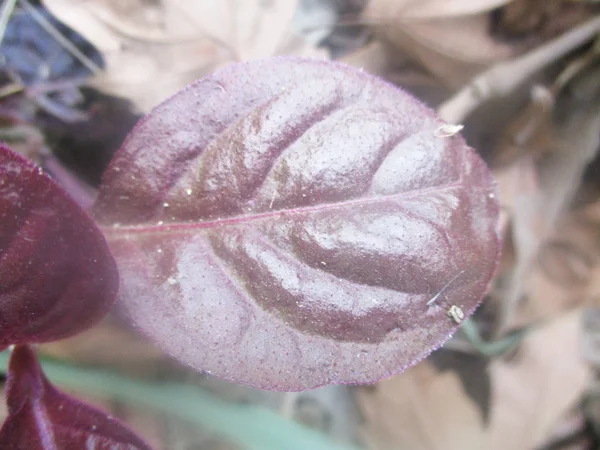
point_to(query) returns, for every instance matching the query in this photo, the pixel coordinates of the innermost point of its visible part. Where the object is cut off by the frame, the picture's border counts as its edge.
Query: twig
(11, 89)
(49, 86)
(63, 112)
(62, 40)
(577, 66)
(5, 14)
(505, 77)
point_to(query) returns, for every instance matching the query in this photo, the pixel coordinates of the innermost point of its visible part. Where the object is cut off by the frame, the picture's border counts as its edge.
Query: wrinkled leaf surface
(289, 223)
(40, 417)
(57, 276)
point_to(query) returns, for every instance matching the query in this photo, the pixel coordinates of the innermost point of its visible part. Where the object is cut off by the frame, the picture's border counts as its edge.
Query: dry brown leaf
(530, 132)
(576, 125)
(426, 410)
(520, 201)
(530, 395)
(152, 49)
(567, 433)
(518, 186)
(421, 409)
(382, 59)
(431, 9)
(565, 273)
(453, 42)
(552, 269)
(525, 16)
(543, 19)
(556, 139)
(373, 58)
(591, 336)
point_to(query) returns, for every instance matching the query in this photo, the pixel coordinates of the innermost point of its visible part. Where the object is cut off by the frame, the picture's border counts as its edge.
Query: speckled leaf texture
(290, 223)
(57, 276)
(40, 417)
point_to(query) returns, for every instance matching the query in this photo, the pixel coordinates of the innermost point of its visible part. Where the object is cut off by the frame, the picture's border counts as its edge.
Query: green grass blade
(253, 427)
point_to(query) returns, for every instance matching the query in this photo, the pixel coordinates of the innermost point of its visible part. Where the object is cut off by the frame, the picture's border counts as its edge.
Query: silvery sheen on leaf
(290, 223)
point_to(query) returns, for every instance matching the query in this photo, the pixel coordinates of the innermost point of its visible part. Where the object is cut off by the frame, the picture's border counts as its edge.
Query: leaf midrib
(167, 227)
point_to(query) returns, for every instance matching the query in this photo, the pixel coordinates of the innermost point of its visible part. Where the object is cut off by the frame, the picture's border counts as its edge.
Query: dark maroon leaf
(40, 417)
(57, 276)
(290, 223)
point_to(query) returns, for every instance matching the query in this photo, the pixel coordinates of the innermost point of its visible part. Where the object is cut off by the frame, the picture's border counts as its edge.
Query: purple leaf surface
(290, 223)
(57, 276)
(40, 417)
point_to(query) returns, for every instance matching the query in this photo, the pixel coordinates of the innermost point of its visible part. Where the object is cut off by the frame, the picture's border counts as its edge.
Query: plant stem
(490, 348)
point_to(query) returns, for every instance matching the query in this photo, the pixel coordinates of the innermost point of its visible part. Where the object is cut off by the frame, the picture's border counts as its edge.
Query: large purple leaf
(290, 223)
(57, 276)
(40, 417)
